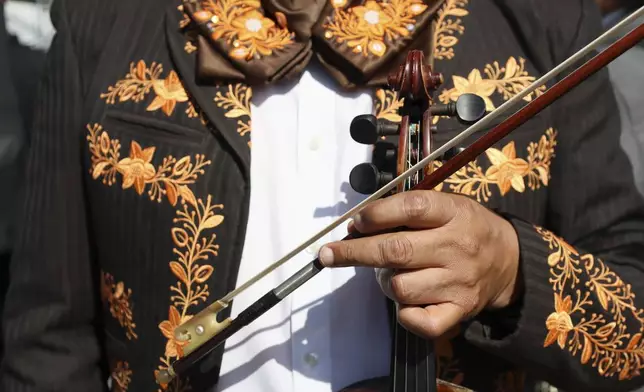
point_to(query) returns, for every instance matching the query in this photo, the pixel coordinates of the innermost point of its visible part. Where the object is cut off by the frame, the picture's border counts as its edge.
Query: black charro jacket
(134, 162)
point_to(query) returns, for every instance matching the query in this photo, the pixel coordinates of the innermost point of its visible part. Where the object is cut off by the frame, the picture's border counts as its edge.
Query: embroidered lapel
(225, 108)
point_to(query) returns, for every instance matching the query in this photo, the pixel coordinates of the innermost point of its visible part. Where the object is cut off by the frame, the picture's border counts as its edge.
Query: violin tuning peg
(451, 153)
(468, 109)
(367, 128)
(367, 179)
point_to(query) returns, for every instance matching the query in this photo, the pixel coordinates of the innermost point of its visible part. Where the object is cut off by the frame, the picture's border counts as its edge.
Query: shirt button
(314, 143)
(311, 359)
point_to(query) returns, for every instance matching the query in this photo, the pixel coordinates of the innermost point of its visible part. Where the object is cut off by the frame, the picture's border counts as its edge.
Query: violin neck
(413, 363)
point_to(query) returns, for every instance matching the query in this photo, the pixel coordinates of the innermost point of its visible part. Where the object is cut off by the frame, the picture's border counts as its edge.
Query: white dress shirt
(333, 331)
(30, 23)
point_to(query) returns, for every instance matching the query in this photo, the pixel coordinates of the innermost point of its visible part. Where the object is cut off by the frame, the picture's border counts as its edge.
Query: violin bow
(204, 332)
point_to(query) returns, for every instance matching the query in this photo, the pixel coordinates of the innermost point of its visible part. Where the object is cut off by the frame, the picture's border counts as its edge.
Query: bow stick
(203, 333)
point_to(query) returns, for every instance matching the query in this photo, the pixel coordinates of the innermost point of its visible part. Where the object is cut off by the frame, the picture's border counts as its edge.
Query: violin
(413, 365)
(204, 332)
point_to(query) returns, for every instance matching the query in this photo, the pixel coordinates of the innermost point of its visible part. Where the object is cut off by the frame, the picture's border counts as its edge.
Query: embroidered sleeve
(579, 325)
(581, 320)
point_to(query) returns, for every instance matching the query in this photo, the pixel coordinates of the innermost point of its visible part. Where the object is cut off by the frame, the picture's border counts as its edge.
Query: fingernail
(326, 256)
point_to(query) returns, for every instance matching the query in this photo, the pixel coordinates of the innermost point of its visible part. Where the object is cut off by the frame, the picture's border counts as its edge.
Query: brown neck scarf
(260, 42)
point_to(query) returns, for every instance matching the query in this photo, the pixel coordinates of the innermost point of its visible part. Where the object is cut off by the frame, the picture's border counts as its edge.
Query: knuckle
(464, 207)
(416, 205)
(395, 249)
(469, 245)
(397, 286)
(348, 252)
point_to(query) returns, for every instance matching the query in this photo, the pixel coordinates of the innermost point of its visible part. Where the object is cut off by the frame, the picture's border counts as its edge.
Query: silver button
(311, 359)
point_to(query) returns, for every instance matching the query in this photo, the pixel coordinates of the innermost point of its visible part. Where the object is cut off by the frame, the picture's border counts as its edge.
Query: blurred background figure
(627, 75)
(25, 35)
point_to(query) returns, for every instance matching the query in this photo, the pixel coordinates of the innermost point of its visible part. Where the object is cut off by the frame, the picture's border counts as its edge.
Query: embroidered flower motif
(507, 81)
(171, 178)
(507, 170)
(141, 80)
(169, 91)
(474, 84)
(137, 169)
(243, 26)
(559, 323)
(253, 25)
(173, 348)
(366, 28)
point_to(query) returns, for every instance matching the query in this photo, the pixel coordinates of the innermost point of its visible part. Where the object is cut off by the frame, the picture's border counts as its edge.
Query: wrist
(511, 289)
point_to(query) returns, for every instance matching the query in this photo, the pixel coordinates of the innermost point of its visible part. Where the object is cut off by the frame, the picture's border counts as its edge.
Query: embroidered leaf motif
(121, 377)
(192, 245)
(507, 171)
(368, 28)
(236, 102)
(446, 28)
(119, 301)
(179, 272)
(213, 221)
(387, 105)
(604, 341)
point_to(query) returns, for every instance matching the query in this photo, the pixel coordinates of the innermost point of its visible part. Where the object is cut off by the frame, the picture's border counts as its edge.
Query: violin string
(612, 33)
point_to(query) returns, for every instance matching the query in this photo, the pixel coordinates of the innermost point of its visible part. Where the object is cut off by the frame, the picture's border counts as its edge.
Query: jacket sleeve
(49, 322)
(580, 320)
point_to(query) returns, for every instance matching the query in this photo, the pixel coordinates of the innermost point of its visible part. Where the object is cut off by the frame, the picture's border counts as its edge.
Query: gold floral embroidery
(121, 377)
(194, 219)
(387, 105)
(170, 179)
(185, 20)
(236, 102)
(246, 29)
(141, 80)
(603, 340)
(118, 299)
(190, 33)
(507, 81)
(192, 245)
(507, 171)
(446, 28)
(190, 48)
(365, 28)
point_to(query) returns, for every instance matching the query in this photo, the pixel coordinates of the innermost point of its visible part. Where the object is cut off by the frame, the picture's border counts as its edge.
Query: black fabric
(100, 242)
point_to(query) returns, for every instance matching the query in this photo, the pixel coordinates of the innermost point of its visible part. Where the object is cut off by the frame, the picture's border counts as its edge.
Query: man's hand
(454, 258)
